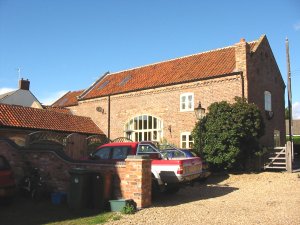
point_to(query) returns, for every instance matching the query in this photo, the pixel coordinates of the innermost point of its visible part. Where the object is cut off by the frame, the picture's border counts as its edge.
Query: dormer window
(268, 101)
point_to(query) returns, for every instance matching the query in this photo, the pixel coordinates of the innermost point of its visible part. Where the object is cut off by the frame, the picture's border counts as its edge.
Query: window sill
(186, 110)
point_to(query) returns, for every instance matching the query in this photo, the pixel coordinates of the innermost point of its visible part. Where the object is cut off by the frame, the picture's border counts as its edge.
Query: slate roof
(41, 119)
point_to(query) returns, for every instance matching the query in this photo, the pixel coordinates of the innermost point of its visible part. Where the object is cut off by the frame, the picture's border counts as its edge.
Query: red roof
(69, 99)
(58, 109)
(180, 70)
(191, 68)
(32, 118)
(186, 69)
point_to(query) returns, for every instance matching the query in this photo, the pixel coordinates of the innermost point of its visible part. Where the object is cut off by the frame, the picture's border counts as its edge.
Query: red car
(7, 181)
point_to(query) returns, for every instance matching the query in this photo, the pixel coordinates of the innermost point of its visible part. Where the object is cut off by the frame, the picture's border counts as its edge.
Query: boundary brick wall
(131, 179)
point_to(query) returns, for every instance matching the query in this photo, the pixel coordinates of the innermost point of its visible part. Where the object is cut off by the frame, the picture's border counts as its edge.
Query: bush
(228, 135)
(128, 209)
(296, 140)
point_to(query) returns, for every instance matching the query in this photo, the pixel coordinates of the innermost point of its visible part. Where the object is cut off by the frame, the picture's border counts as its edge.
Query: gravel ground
(264, 198)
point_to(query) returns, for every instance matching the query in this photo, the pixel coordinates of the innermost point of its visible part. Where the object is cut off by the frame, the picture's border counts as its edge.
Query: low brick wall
(130, 180)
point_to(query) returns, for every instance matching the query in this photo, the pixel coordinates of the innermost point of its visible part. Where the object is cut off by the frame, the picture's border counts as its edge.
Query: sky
(66, 45)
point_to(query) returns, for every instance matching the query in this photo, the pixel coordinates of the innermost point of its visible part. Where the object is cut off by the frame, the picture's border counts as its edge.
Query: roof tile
(32, 118)
(185, 69)
(69, 99)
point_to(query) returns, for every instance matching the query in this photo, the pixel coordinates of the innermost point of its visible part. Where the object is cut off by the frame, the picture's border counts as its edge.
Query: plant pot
(118, 205)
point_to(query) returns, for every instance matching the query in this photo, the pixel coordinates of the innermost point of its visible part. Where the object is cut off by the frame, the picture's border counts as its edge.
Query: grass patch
(97, 219)
(26, 211)
(296, 139)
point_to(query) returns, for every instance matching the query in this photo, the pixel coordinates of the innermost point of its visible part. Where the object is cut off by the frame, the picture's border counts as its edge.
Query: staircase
(277, 159)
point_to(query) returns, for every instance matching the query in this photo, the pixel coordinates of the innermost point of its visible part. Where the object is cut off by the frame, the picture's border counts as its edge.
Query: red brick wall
(260, 73)
(131, 180)
(163, 103)
(264, 75)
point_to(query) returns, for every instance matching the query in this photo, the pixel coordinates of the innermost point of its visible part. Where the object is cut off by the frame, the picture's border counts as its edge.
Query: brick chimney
(242, 50)
(242, 56)
(24, 84)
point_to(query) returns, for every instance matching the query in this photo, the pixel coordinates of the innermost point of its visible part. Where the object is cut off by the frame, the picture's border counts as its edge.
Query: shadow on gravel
(200, 191)
(216, 178)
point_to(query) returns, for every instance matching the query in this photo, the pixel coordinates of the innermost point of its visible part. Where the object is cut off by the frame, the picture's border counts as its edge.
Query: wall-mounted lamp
(129, 132)
(269, 114)
(100, 109)
(199, 111)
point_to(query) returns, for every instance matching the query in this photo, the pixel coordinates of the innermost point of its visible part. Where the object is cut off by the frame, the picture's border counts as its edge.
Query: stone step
(281, 158)
(279, 163)
(275, 167)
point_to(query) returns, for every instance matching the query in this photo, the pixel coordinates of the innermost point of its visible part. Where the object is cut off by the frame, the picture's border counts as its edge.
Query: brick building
(157, 101)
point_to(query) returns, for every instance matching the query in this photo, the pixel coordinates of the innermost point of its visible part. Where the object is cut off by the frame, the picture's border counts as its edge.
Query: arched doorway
(144, 128)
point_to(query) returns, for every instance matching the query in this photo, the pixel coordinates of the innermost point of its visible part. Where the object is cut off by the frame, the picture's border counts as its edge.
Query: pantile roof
(57, 109)
(41, 119)
(185, 69)
(205, 65)
(69, 99)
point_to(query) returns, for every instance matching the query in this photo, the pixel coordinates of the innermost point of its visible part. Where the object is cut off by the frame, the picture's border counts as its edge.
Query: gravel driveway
(264, 198)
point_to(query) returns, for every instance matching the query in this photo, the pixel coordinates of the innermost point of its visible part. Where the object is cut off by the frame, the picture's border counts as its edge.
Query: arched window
(268, 101)
(144, 128)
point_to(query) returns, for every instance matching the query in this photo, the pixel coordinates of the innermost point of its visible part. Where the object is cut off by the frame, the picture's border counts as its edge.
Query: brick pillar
(137, 181)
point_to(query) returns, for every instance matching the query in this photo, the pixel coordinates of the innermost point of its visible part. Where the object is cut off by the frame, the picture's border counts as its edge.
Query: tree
(229, 134)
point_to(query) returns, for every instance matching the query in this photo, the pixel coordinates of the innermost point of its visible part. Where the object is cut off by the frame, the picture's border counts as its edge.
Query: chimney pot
(24, 84)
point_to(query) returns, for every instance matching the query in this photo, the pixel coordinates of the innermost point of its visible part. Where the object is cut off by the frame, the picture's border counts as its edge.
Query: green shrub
(228, 135)
(128, 209)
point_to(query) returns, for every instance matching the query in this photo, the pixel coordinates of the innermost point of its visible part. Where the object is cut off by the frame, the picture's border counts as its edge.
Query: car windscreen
(120, 152)
(102, 153)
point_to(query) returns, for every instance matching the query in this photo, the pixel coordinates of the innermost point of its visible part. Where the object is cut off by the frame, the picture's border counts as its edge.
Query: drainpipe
(108, 119)
(243, 85)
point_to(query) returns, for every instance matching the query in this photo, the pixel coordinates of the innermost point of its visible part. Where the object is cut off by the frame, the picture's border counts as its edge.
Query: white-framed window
(268, 101)
(187, 102)
(144, 128)
(186, 140)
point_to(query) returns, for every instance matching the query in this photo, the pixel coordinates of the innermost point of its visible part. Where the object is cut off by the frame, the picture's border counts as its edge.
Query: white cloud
(5, 90)
(297, 26)
(52, 97)
(296, 110)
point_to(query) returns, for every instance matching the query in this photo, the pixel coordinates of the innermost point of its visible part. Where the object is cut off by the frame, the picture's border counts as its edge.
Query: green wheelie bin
(80, 188)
